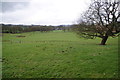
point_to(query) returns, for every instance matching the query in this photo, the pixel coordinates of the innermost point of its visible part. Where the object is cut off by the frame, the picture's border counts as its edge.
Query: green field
(58, 55)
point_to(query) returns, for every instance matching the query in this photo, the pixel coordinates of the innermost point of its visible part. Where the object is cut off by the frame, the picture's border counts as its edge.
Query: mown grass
(58, 55)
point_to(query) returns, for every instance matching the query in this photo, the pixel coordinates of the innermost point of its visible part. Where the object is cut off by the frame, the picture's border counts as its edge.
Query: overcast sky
(43, 12)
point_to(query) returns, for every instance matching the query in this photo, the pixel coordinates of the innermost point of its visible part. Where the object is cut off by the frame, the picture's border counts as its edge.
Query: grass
(0, 55)
(58, 55)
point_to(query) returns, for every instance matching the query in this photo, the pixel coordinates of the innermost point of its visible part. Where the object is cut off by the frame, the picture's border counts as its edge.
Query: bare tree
(101, 20)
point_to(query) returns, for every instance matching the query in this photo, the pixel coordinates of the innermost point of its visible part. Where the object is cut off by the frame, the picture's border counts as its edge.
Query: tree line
(9, 28)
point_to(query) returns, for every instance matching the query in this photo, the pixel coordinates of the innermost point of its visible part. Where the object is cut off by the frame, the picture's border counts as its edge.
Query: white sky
(46, 12)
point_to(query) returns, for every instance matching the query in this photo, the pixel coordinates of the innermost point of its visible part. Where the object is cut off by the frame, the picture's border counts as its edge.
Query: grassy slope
(58, 55)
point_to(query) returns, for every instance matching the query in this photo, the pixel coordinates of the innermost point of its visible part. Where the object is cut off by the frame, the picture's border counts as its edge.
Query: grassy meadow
(58, 54)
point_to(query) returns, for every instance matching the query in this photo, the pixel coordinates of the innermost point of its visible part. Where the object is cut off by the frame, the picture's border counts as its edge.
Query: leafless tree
(101, 20)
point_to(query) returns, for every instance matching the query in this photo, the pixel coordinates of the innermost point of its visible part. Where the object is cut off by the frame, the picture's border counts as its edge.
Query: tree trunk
(104, 39)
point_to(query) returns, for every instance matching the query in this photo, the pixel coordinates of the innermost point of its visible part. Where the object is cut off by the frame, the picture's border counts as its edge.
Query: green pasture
(57, 54)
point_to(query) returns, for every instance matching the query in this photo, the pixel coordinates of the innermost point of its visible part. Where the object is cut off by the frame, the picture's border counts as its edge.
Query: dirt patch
(20, 36)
